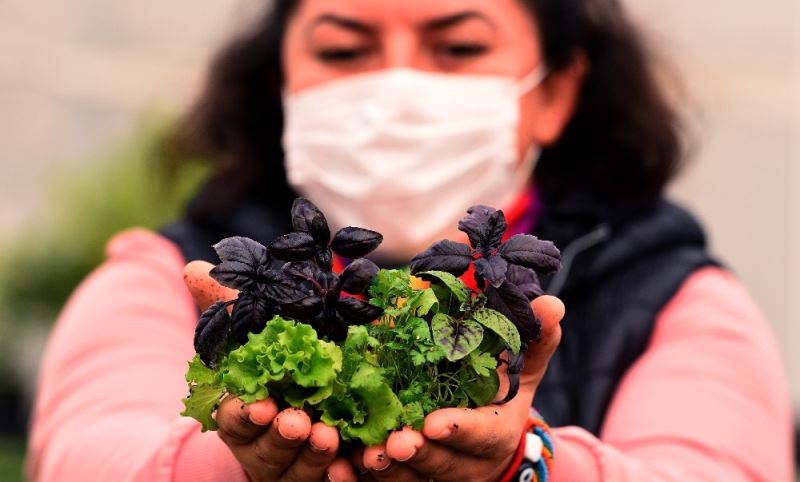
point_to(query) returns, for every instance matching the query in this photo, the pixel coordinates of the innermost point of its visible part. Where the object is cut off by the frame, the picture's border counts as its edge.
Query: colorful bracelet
(533, 461)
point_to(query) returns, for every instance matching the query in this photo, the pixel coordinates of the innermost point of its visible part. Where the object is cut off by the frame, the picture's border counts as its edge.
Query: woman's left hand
(459, 444)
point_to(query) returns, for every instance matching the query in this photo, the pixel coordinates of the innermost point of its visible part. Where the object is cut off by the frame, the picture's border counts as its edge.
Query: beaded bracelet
(533, 461)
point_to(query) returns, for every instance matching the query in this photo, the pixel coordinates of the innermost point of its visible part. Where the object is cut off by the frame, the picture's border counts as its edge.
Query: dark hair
(622, 144)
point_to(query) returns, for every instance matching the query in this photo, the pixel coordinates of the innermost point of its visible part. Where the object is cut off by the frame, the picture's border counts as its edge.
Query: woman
(397, 115)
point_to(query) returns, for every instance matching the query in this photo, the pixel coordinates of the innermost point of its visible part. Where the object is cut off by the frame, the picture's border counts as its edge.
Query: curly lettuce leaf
(285, 351)
(365, 408)
(205, 393)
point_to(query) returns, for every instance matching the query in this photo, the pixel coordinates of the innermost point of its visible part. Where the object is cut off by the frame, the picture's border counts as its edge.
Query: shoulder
(143, 245)
(715, 326)
(142, 273)
(713, 301)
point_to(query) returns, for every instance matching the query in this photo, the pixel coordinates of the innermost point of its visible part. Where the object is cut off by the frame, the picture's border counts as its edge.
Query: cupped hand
(458, 444)
(271, 446)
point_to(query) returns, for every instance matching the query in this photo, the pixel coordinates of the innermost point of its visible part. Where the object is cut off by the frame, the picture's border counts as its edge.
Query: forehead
(413, 12)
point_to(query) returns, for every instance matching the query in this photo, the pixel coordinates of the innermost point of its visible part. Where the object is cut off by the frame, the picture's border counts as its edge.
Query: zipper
(598, 235)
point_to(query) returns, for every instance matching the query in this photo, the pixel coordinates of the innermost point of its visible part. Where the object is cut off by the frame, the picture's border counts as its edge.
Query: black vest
(618, 272)
(615, 279)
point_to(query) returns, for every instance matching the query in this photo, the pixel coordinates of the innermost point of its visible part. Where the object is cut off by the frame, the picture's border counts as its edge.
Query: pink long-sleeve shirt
(707, 400)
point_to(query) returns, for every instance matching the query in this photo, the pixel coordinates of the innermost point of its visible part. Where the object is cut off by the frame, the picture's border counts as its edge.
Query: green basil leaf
(501, 325)
(456, 337)
(451, 282)
(482, 390)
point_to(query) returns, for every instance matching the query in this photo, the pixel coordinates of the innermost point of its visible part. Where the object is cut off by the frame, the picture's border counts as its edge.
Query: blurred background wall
(76, 77)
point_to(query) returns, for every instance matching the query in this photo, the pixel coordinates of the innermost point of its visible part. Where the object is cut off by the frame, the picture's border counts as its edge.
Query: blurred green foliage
(86, 206)
(12, 453)
(138, 183)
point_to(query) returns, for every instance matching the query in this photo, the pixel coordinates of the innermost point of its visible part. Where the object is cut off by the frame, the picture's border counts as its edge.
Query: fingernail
(383, 462)
(408, 457)
(286, 432)
(262, 413)
(403, 445)
(317, 448)
(256, 421)
(442, 434)
(330, 478)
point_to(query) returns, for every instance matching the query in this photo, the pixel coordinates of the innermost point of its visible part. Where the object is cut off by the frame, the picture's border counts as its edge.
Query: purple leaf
(358, 276)
(242, 250)
(512, 302)
(236, 275)
(250, 314)
(446, 255)
(318, 280)
(304, 310)
(333, 327)
(484, 226)
(307, 218)
(531, 252)
(525, 279)
(324, 257)
(241, 259)
(515, 365)
(212, 333)
(474, 221)
(283, 289)
(494, 230)
(293, 247)
(353, 242)
(357, 312)
(492, 269)
(302, 270)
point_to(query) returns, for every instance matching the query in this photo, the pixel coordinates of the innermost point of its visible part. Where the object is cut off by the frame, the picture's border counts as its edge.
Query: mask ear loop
(533, 79)
(528, 83)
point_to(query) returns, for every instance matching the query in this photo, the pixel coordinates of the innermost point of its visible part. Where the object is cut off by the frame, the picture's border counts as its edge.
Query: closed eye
(461, 50)
(341, 55)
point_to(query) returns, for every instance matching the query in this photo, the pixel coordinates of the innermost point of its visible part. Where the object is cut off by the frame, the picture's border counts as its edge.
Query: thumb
(204, 289)
(549, 310)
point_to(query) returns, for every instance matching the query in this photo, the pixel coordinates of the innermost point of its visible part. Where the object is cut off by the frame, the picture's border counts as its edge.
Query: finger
(375, 459)
(403, 444)
(341, 470)
(357, 459)
(487, 432)
(271, 454)
(239, 423)
(425, 459)
(550, 310)
(382, 468)
(204, 289)
(315, 456)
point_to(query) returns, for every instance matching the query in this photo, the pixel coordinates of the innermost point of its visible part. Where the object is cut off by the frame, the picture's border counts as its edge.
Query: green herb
(431, 345)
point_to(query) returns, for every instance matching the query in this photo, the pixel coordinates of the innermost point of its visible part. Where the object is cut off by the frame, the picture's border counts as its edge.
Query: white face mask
(406, 152)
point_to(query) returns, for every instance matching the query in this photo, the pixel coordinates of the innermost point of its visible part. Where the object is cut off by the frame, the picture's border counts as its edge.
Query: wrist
(533, 459)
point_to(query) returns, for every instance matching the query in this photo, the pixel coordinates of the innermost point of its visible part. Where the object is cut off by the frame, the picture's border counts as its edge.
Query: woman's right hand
(271, 446)
(283, 446)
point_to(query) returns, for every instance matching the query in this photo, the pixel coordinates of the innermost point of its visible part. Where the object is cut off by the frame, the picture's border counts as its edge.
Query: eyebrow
(440, 23)
(452, 20)
(343, 22)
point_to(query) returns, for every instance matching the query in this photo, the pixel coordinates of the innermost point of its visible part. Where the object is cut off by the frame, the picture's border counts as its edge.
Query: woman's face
(332, 39)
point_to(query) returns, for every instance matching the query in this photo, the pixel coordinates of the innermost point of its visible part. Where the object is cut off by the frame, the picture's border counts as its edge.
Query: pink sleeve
(706, 402)
(112, 377)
